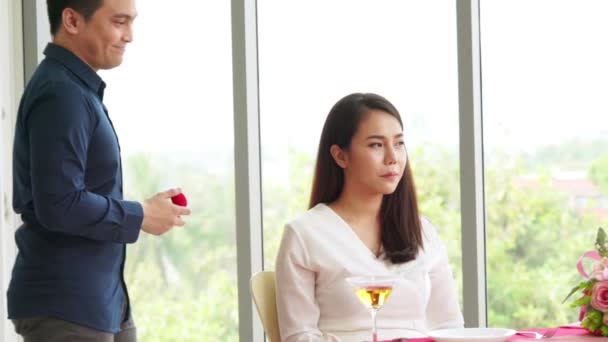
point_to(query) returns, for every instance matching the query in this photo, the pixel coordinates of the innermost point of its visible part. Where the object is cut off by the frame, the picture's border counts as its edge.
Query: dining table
(566, 333)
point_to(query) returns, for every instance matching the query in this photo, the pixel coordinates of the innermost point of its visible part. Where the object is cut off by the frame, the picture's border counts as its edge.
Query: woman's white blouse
(314, 303)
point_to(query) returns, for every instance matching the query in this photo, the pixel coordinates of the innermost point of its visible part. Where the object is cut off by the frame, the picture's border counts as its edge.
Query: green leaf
(580, 286)
(582, 301)
(600, 243)
(594, 314)
(595, 325)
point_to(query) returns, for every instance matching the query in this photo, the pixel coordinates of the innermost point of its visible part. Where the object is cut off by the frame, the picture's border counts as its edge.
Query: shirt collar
(76, 66)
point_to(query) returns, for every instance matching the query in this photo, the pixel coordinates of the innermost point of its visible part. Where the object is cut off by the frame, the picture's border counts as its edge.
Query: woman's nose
(390, 156)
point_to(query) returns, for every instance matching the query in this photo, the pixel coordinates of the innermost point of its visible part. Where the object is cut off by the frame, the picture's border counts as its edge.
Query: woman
(363, 220)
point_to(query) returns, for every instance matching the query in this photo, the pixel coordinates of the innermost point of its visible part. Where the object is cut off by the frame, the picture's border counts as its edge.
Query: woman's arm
(297, 310)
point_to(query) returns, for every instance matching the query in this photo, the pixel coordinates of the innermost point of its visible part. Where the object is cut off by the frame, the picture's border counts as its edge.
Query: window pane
(545, 141)
(403, 50)
(171, 102)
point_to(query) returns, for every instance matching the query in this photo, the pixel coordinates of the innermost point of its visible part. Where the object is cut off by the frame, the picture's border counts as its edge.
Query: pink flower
(582, 313)
(599, 296)
(599, 270)
(601, 275)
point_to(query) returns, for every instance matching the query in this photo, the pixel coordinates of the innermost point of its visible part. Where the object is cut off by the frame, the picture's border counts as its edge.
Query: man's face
(104, 37)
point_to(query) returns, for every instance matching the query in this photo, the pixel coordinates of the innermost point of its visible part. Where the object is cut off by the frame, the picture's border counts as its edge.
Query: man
(67, 282)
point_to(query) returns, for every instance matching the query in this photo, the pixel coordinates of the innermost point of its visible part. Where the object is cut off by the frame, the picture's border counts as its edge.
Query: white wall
(11, 86)
(35, 32)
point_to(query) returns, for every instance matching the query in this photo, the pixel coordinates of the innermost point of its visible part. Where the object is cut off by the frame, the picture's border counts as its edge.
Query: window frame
(11, 57)
(474, 285)
(248, 182)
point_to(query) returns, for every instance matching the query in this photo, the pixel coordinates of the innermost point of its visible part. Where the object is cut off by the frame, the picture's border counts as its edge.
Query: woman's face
(376, 158)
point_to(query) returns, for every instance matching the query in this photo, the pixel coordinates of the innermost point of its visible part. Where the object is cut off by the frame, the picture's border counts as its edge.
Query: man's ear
(340, 156)
(71, 21)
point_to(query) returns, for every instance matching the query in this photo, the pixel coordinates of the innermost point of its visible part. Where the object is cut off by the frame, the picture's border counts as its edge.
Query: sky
(544, 74)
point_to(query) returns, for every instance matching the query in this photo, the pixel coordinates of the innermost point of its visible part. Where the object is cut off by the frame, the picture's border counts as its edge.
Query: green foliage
(581, 302)
(533, 242)
(593, 322)
(285, 199)
(166, 313)
(183, 284)
(437, 179)
(572, 154)
(600, 243)
(598, 172)
(577, 288)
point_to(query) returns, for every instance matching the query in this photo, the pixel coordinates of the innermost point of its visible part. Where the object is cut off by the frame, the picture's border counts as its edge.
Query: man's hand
(160, 215)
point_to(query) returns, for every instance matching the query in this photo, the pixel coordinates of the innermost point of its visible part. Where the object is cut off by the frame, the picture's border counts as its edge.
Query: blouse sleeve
(443, 310)
(298, 312)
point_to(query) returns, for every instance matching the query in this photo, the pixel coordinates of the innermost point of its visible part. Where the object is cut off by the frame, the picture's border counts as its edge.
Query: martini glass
(373, 291)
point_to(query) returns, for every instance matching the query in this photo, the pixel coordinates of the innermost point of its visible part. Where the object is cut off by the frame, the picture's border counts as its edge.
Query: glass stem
(374, 332)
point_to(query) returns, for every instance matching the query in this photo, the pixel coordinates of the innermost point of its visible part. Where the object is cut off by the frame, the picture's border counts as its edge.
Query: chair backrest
(262, 291)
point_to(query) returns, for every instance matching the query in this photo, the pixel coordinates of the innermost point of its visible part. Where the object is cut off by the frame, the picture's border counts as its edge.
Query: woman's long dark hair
(401, 231)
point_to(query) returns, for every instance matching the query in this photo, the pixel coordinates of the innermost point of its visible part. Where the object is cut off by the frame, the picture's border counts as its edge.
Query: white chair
(263, 293)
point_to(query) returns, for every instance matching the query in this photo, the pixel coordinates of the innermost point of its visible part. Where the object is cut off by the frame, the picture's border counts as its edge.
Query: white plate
(472, 334)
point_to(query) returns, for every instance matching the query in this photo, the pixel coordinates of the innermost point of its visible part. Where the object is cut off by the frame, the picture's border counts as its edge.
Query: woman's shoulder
(309, 219)
(308, 226)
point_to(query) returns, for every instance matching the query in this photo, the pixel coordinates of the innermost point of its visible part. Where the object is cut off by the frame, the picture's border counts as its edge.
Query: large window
(171, 103)
(544, 138)
(546, 151)
(312, 53)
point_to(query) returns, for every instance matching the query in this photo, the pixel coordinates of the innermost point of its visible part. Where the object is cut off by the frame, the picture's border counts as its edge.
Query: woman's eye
(375, 145)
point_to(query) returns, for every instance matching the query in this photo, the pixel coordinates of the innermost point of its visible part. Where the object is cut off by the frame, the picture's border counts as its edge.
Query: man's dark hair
(55, 8)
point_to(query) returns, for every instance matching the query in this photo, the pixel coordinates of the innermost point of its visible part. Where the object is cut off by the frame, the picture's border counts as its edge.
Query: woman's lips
(390, 175)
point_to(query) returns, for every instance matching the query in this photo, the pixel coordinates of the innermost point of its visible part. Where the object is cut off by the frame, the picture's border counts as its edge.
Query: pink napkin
(563, 331)
(566, 330)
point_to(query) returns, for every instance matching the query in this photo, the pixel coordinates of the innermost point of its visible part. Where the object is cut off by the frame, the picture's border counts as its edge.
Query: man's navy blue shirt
(68, 189)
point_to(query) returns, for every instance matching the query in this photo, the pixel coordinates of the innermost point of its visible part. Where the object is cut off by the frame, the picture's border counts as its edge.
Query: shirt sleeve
(60, 125)
(298, 312)
(443, 310)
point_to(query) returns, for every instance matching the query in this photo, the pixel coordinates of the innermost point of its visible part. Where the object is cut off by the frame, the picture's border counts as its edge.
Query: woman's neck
(358, 208)
(362, 214)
